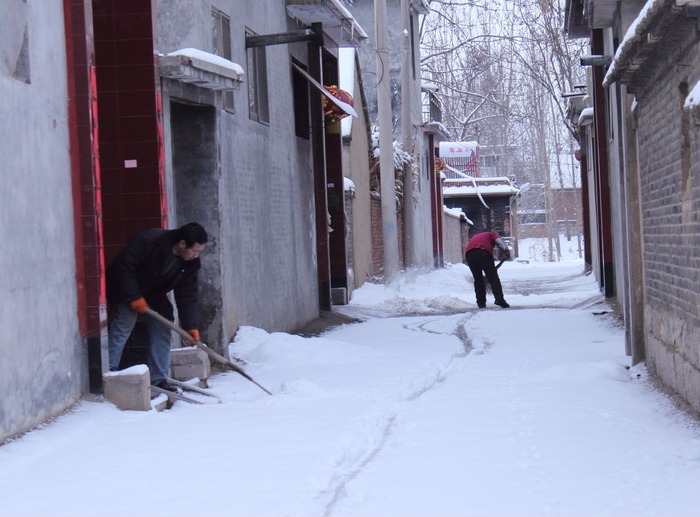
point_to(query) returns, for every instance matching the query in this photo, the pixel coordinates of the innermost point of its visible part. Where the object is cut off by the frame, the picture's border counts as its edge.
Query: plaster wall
(43, 367)
(421, 205)
(417, 205)
(452, 238)
(356, 168)
(266, 247)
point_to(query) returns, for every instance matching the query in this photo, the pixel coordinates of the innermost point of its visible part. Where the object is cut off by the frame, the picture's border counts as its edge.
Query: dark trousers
(481, 264)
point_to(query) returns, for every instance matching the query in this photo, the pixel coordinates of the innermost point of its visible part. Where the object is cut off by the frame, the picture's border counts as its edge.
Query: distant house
(534, 211)
(487, 202)
(496, 160)
(461, 159)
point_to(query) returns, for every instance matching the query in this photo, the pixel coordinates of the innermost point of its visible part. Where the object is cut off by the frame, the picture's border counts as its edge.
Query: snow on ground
(429, 407)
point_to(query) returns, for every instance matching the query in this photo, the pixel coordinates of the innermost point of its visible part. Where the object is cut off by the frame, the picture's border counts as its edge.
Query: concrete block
(188, 363)
(129, 389)
(339, 296)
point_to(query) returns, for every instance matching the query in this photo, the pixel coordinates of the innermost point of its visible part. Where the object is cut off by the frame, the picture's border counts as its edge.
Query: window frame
(258, 94)
(221, 41)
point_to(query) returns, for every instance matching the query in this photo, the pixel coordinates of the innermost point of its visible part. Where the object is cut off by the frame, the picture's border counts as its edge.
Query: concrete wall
(669, 166)
(265, 243)
(452, 239)
(417, 208)
(356, 168)
(42, 370)
(419, 230)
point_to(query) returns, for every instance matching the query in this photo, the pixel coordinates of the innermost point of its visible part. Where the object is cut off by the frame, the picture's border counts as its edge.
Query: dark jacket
(146, 267)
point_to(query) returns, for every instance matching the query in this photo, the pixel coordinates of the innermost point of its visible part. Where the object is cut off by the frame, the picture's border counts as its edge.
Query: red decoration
(331, 112)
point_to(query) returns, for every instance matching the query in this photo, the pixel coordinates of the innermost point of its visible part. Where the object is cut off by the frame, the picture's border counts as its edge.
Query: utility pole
(386, 144)
(409, 219)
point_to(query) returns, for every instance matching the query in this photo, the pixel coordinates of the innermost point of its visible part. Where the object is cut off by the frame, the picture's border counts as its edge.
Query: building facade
(124, 115)
(642, 150)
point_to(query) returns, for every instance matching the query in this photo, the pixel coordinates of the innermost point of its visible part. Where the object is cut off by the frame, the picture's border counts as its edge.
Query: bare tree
(502, 67)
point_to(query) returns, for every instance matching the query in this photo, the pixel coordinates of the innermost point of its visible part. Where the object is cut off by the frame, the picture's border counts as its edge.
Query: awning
(340, 104)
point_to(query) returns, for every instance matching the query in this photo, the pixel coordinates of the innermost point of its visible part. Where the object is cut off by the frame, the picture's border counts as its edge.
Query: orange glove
(139, 305)
(195, 334)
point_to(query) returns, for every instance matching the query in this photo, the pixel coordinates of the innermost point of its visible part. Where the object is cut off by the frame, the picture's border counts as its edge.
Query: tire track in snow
(376, 432)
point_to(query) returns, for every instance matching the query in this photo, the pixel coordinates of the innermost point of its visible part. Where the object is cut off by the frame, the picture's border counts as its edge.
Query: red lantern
(331, 111)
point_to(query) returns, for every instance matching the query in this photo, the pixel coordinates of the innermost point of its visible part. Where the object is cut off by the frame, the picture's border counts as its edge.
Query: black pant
(481, 264)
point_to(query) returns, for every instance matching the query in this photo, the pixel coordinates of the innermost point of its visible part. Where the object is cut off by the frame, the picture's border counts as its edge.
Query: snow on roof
(453, 212)
(494, 186)
(485, 190)
(209, 58)
(437, 128)
(348, 185)
(693, 98)
(586, 116)
(634, 34)
(457, 213)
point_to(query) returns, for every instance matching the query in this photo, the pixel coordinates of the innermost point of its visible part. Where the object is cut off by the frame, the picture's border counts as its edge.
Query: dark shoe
(482, 305)
(502, 303)
(165, 385)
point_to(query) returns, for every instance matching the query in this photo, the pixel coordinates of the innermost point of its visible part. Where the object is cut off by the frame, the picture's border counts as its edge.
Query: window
(487, 160)
(221, 35)
(256, 59)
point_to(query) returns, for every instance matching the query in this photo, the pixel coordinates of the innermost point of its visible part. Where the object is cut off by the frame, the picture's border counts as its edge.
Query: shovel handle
(214, 355)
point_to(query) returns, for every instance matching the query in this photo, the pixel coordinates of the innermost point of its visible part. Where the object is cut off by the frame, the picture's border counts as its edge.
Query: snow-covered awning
(586, 117)
(194, 66)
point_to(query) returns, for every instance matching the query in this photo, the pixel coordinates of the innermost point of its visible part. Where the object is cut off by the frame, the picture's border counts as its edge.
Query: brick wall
(669, 160)
(377, 237)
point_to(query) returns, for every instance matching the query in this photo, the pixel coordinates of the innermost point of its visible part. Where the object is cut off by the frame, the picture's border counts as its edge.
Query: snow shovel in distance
(217, 357)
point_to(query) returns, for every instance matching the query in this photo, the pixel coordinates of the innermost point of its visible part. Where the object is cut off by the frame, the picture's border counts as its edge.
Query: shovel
(188, 337)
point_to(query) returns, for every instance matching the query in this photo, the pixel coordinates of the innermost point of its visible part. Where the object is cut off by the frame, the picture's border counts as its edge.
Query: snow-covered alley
(429, 407)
